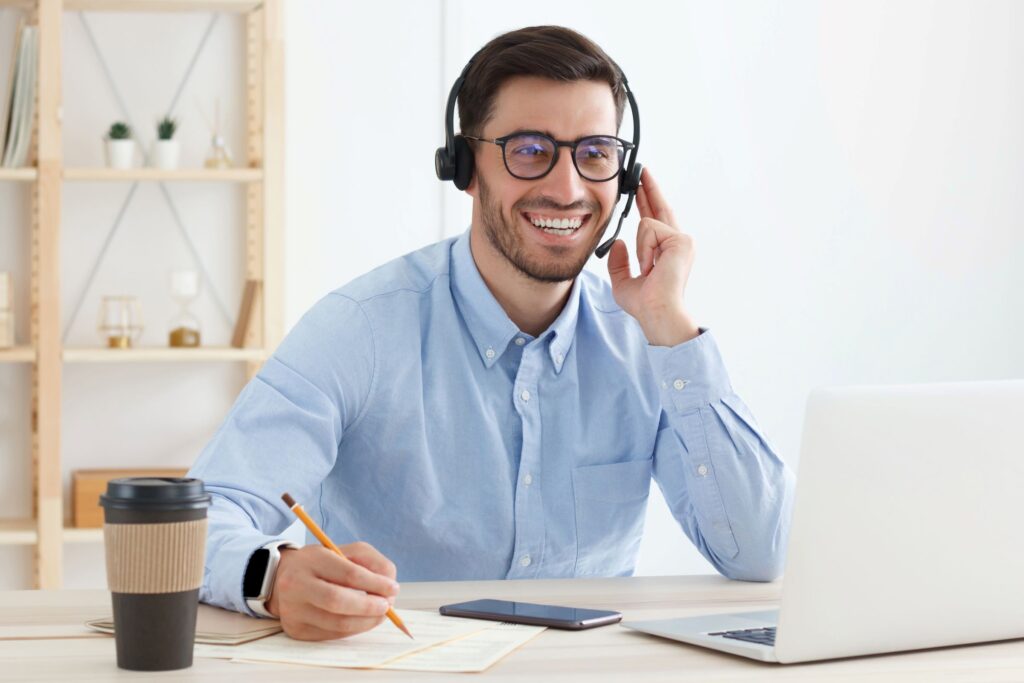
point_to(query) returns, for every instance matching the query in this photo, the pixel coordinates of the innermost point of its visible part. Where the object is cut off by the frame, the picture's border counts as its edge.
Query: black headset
(454, 161)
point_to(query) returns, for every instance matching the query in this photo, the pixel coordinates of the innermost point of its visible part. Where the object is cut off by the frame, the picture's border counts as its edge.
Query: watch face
(253, 581)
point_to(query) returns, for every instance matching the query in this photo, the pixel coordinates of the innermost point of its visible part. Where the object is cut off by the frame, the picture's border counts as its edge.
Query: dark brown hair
(553, 52)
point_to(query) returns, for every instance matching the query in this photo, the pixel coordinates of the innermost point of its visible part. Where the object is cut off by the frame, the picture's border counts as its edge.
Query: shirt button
(489, 353)
(679, 384)
(525, 395)
(528, 479)
(520, 341)
(525, 561)
(702, 470)
(559, 358)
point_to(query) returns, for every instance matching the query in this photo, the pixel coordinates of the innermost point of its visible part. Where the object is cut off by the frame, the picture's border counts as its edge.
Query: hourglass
(184, 327)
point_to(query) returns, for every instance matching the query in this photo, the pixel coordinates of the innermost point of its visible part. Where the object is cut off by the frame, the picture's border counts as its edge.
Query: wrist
(261, 575)
(272, 602)
(669, 327)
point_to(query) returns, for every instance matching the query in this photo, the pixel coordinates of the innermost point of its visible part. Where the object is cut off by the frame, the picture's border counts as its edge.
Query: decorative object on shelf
(120, 145)
(87, 485)
(18, 106)
(120, 322)
(166, 149)
(6, 310)
(184, 326)
(246, 311)
(219, 155)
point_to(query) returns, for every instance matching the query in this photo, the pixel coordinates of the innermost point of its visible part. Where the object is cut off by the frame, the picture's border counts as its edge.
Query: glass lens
(599, 157)
(529, 156)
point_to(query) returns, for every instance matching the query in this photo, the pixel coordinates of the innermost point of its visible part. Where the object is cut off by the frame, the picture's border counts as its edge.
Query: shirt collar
(489, 325)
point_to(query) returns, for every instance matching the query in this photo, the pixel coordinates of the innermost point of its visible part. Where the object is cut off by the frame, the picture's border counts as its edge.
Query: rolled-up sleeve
(728, 489)
(282, 435)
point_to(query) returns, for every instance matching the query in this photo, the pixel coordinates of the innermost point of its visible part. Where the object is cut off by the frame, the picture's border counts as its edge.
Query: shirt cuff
(690, 374)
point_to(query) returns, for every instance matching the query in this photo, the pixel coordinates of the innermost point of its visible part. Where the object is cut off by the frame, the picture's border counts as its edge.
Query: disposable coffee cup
(154, 532)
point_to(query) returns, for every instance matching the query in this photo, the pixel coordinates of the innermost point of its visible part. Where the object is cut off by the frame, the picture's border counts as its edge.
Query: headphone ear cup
(630, 182)
(463, 163)
(443, 166)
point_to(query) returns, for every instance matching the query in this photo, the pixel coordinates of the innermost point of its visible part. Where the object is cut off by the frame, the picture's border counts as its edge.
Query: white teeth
(556, 231)
(558, 224)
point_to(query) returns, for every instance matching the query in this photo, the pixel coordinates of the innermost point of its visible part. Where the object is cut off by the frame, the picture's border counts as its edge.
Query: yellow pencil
(329, 544)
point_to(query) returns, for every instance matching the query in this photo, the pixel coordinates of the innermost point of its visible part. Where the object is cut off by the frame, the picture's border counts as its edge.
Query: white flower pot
(165, 154)
(119, 153)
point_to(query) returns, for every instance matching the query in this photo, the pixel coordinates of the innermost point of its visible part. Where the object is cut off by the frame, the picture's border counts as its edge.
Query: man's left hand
(655, 296)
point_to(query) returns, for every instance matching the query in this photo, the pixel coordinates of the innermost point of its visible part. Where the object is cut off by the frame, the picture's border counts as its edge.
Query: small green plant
(166, 127)
(120, 131)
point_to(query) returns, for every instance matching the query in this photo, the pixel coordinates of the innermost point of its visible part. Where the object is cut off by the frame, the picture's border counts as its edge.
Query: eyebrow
(520, 131)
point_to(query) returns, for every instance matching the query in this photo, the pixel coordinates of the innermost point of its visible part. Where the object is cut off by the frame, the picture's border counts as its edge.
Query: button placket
(529, 524)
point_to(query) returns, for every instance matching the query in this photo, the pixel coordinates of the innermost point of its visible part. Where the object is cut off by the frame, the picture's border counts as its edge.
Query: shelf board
(19, 354)
(160, 354)
(161, 5)
(73, 535)
(223, 175)
(24, 174)
(18, 532)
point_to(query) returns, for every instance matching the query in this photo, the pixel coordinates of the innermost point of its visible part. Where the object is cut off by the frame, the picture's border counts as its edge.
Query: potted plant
(120, 145)
(166, 149)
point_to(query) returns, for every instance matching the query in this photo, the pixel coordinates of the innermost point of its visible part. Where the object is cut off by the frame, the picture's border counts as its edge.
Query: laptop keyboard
(761, 636)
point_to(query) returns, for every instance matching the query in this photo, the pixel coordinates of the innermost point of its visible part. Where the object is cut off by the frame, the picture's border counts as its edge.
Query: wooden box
(87, 485)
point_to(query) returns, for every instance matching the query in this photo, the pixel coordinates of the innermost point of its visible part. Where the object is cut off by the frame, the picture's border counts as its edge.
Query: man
(483, 408)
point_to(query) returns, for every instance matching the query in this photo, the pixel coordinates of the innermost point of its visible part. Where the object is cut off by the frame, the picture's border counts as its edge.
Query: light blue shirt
(407, 410)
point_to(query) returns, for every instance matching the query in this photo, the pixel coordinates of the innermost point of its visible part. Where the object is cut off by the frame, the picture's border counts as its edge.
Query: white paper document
(441, 644)
(473, 653)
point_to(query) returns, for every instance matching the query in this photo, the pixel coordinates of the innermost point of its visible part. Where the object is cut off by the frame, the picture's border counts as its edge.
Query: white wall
(847, 169)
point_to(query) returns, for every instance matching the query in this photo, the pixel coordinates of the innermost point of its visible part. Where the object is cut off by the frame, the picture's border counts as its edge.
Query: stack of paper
(19, 105)
(446, 644)
(215, 626)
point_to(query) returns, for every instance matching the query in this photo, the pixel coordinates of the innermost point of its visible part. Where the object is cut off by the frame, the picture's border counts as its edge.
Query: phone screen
(532, 613)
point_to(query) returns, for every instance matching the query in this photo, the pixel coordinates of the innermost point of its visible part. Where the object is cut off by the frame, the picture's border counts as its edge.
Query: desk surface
(611, 653)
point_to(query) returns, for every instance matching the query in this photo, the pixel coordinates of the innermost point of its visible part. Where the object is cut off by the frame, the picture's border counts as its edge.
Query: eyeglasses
(529, 156)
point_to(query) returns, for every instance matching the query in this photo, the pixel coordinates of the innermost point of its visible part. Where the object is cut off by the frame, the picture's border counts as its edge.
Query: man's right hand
(318, 595)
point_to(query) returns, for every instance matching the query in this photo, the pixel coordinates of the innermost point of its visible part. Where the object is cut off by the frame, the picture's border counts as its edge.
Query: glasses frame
(572, 145)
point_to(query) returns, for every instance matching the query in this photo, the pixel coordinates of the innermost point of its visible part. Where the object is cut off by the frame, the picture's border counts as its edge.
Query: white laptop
(907, 529)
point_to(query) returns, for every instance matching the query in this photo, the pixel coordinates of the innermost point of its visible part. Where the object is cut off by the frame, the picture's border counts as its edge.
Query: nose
(563, 183)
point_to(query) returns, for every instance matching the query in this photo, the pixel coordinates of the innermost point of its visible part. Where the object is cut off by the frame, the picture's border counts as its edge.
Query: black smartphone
(572, 618)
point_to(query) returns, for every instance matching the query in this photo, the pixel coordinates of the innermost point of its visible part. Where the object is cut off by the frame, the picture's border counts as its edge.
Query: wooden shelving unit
(162, 355)
(19, 354)
(47, 530)
(23, 174)
(202, 175)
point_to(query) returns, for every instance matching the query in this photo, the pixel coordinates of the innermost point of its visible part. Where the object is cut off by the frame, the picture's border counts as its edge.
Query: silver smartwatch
(260, 574)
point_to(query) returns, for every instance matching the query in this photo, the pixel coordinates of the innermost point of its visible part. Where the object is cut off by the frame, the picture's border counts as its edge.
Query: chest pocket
(611, 502)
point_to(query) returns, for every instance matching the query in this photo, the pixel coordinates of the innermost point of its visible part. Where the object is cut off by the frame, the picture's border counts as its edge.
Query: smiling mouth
(552, 224)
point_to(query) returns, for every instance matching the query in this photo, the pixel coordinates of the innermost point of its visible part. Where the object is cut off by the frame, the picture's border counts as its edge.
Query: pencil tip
(288, 500)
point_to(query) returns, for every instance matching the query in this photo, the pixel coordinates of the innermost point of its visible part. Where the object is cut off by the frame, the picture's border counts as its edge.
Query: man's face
(510, 209)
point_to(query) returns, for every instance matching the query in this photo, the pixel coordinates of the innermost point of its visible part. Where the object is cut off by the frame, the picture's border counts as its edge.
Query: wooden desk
(611, 653)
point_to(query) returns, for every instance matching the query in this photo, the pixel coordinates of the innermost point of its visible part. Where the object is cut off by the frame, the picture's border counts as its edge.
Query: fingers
(346, 572)
(653, 203)
(343, 600)
(618, 264)
(341, 624)
(322, 625)
(366, 555)
(649, 234)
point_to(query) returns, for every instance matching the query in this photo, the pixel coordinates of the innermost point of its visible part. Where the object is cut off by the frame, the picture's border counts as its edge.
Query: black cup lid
(155, 493)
